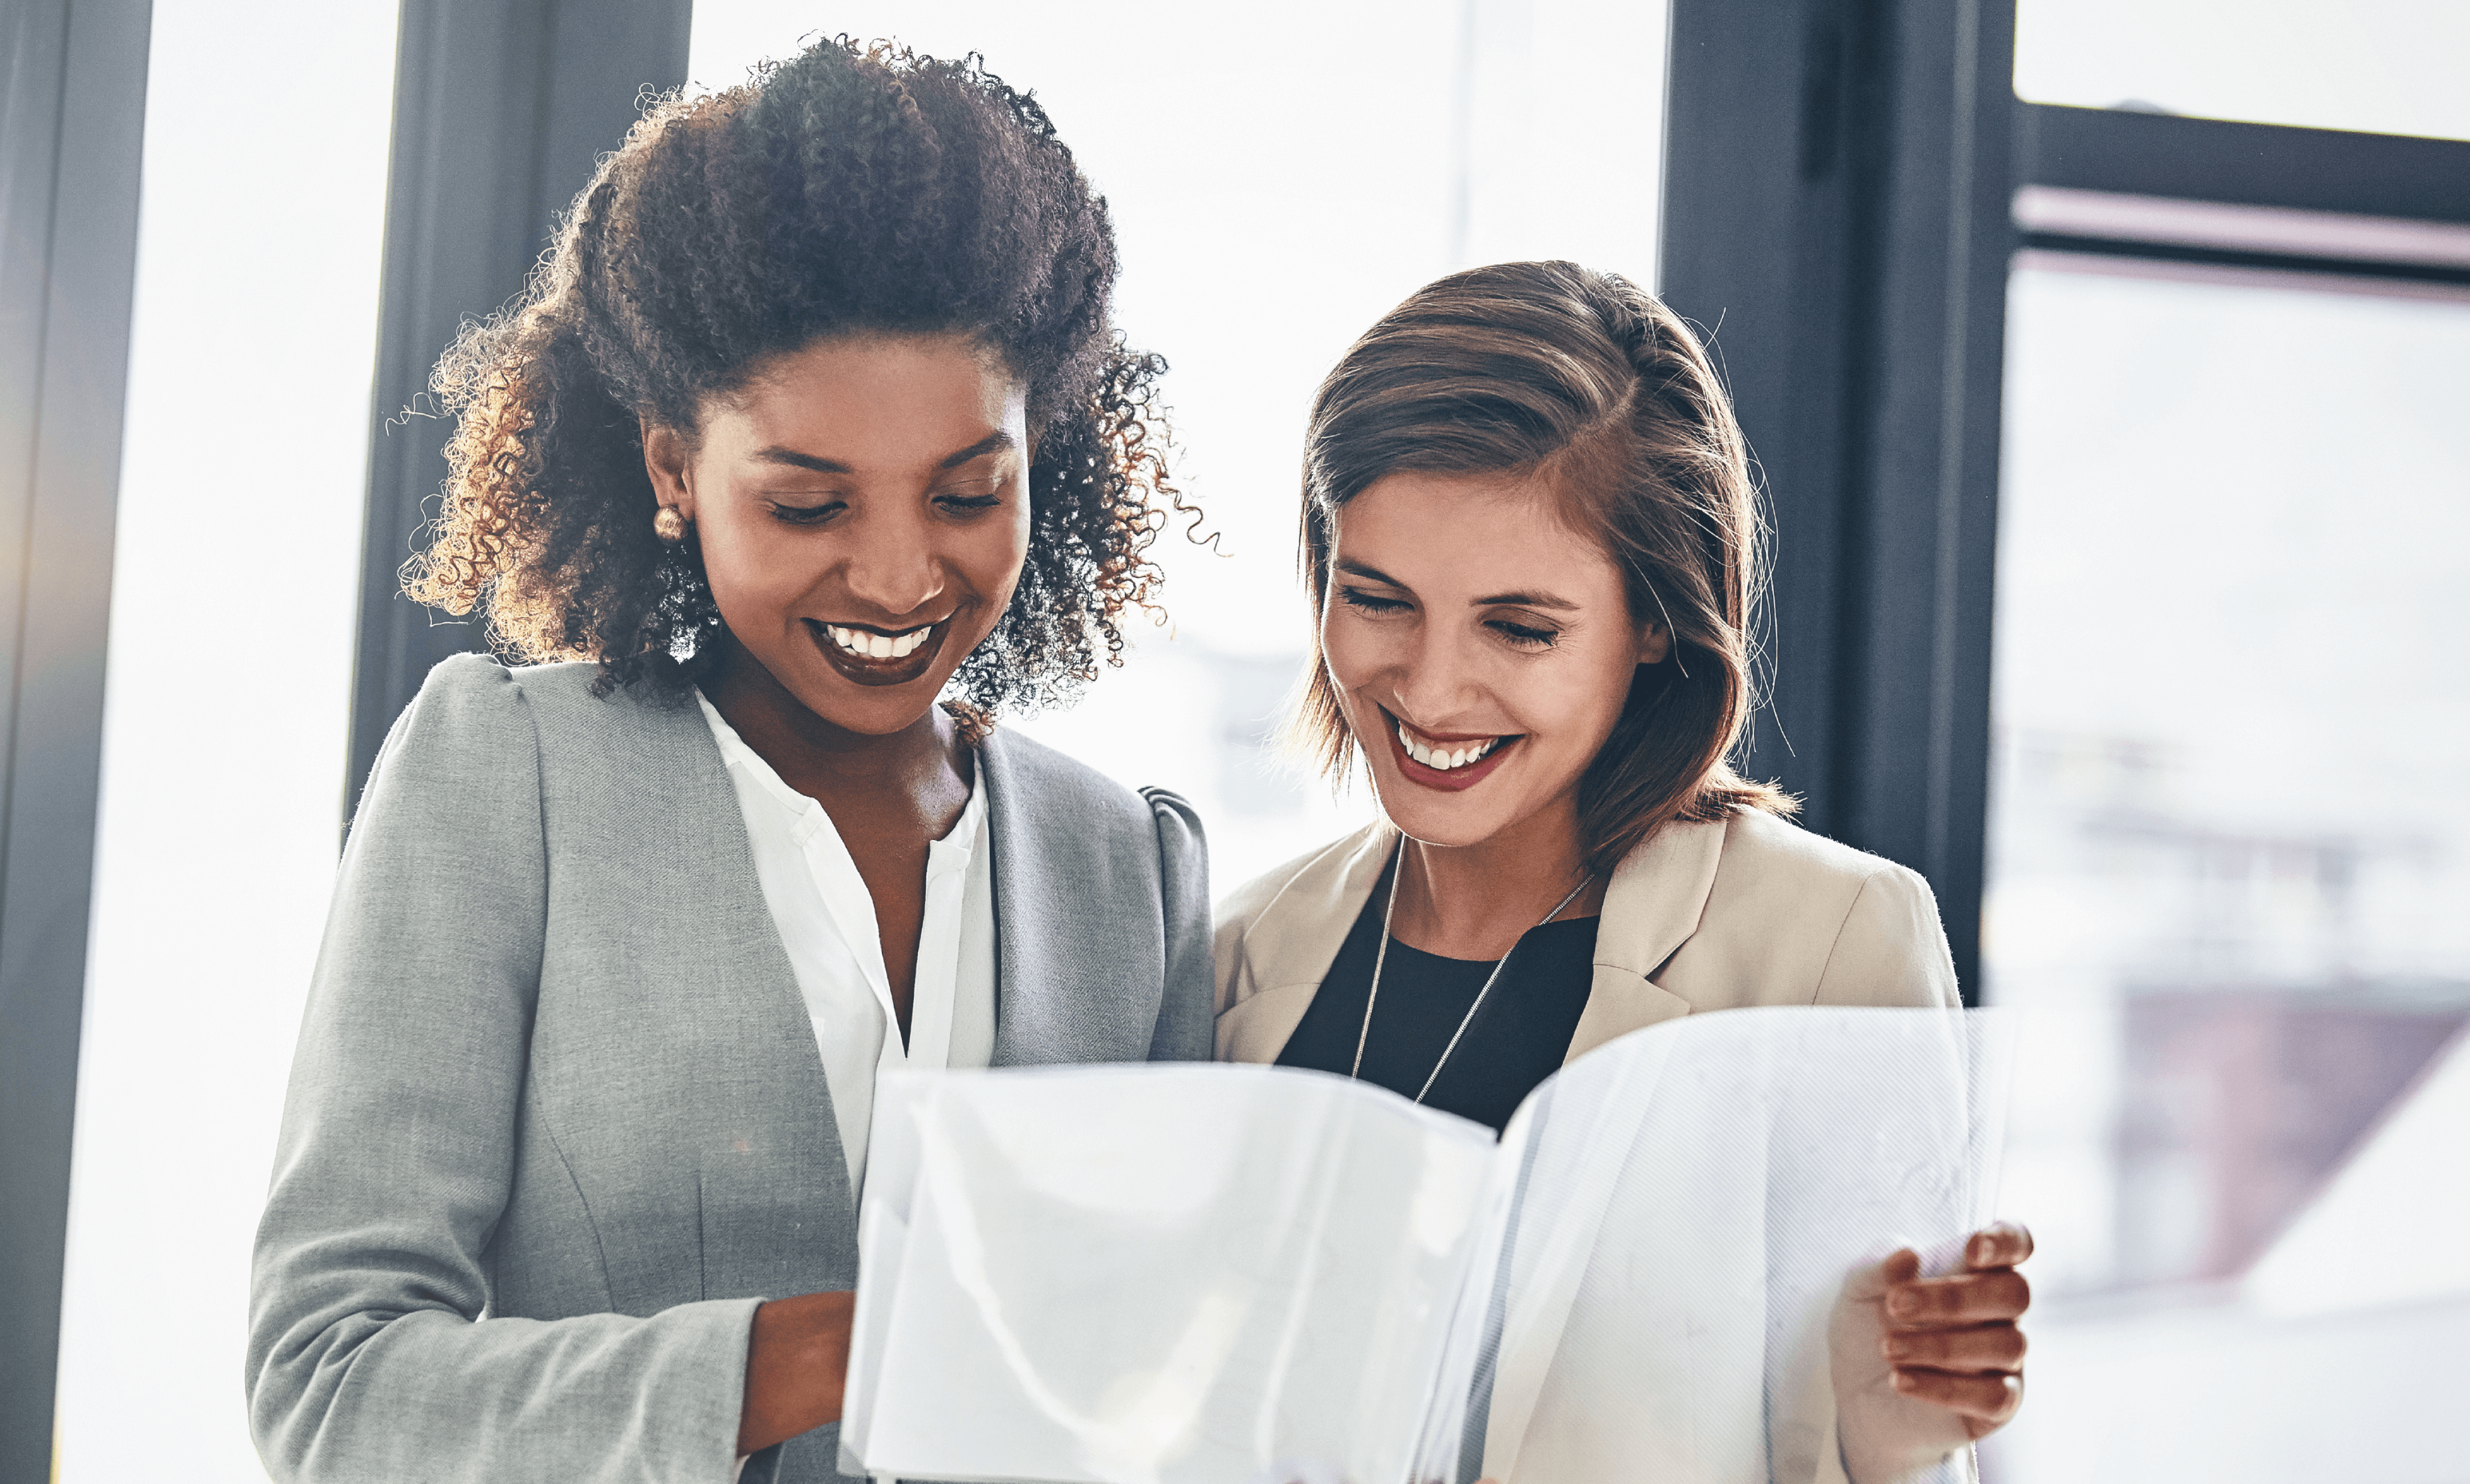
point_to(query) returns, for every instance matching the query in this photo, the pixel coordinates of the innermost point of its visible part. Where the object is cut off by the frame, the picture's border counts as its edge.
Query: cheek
(750, 568)
(985, 560)
(1594, 695)
(1567, 700)
(1354, 650)
(992, 554)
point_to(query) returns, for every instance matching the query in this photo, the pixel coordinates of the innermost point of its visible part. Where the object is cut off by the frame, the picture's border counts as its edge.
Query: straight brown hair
(1581, 381)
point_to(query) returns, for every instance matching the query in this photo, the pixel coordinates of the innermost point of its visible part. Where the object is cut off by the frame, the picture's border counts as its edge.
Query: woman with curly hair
(816, 411)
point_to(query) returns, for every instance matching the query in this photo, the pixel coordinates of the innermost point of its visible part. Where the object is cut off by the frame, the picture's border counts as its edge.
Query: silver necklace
(1373, 995)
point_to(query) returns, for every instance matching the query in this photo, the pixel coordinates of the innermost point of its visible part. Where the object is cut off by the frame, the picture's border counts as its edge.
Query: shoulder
(466, 685)
(1073, 810)
(1281, 929)
(473, 719)
(1242, 907)
(467, 710)
(1773, 850)
(1793, 917)
(1057, 786)
(574, 714)
(478, 689)
(463, 756)
(1787, 878)
(1277, 935)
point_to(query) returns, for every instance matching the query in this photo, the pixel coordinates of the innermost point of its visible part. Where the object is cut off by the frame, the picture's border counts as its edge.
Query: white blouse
(827, 923)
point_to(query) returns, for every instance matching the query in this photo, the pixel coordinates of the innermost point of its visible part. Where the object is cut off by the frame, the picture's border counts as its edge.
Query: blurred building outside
(2229, 853)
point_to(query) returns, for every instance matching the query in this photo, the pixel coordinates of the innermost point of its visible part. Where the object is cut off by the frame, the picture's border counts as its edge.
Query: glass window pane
(2379, 66)
(2229, 848)
(234, 598)
(1281, 175)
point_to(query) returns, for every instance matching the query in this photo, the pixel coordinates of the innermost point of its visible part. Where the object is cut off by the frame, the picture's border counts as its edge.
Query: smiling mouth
(869, 644)
(875, 656)
(1448, 764)
(1447, 758)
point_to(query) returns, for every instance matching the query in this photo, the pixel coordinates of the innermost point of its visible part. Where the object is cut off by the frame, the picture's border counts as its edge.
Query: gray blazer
(557, 1121)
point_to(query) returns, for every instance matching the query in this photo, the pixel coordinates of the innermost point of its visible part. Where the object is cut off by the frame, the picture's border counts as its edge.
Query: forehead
(1471, 535)
(884, 398)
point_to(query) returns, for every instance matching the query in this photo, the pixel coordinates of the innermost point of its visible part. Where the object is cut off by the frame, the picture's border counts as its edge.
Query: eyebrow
(777, 455)
(1525, 599)
(991, 443)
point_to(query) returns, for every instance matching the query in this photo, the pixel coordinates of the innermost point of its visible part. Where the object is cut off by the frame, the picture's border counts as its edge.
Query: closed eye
(967, 504)
(1369, 602)
(806, 515)
(1525, 636)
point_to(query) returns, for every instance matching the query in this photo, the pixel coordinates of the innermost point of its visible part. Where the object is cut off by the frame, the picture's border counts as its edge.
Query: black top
(1515, 1041)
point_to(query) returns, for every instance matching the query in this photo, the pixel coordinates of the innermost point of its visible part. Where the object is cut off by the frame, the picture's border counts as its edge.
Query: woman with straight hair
(817, 409)
(1532, 540)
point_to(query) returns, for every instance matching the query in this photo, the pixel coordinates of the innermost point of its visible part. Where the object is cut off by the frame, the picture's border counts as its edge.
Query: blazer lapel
(1074, 978)
(1651, 906)
(735, 1113)
(1288, 948)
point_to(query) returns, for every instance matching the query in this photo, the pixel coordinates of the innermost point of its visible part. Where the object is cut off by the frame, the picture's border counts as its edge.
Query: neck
(818, 756)
(1475, 901)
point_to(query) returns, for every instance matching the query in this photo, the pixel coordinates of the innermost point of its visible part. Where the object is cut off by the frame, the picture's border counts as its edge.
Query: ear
(1654, 642)
(665, 461)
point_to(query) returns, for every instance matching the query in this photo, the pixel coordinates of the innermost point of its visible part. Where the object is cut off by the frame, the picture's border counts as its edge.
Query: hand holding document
(1926, 1364)
(1222, 1274)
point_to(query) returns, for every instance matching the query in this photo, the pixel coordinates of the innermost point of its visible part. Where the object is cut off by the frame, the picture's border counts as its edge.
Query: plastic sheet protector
(1208, 1274)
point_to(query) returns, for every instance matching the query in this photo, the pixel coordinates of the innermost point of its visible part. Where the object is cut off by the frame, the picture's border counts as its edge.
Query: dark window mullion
(500, 112)
(2247, 164)
(74, 107)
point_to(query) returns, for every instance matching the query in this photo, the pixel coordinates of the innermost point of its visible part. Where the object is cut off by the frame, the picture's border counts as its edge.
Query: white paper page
(1121, 1275)
(1696, 1194)
(1225, 1275)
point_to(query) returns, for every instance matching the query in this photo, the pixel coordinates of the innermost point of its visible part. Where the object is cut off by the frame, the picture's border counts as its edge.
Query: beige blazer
(1754, 911)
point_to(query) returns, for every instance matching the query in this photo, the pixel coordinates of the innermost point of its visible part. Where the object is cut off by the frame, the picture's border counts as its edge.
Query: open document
(1230, 1274)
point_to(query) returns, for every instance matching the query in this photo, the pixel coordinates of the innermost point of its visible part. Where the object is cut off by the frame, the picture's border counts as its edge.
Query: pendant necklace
(1381, 957)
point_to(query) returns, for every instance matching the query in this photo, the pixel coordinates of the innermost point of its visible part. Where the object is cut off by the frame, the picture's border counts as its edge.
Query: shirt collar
(958, 843)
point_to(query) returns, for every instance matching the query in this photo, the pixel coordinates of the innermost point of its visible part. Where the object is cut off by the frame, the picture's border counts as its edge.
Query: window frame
(72, 123)
(502, 112)
(1842, 185)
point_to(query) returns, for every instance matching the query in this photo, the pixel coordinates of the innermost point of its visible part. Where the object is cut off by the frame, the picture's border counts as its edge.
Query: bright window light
(2376, 66)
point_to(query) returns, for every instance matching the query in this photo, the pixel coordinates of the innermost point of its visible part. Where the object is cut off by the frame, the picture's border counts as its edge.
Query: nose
(891, 563)
(1434, 677)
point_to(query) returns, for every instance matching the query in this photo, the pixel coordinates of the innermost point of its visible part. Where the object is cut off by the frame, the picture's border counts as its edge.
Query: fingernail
(1903, 1303)
(1983, 1249)
(1893, 1347)
(1904, 1379)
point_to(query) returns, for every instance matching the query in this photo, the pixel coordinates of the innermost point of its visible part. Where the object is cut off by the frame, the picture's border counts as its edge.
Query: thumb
(1870, 1280)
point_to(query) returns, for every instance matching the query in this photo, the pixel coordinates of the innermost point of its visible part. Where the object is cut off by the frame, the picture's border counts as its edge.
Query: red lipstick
(871, 672)
(1457, 780)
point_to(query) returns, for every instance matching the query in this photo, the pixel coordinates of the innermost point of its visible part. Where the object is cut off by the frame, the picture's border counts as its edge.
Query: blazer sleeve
(1890, 948)
(1185, 1025)
(370, 1353)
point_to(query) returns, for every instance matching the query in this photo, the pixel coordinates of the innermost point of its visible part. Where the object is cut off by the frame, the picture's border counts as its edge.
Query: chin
(1437, 818)
(872, 713)
(863, 710)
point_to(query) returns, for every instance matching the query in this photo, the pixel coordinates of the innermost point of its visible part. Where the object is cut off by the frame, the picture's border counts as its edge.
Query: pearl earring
(668, 525)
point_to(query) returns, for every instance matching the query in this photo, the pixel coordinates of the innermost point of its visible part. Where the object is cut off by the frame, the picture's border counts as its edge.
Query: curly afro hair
(853, 190)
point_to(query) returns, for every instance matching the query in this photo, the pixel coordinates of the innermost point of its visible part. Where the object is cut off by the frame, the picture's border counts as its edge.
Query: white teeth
(878, 647)
(1444, 760)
